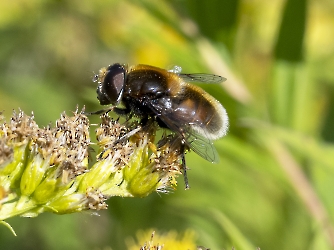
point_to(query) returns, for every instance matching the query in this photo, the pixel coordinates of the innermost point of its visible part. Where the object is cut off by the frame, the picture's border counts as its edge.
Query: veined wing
(202, 78)
(200, 144)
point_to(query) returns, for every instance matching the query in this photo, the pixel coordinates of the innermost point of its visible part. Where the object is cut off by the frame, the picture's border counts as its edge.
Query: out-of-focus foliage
(273, 187)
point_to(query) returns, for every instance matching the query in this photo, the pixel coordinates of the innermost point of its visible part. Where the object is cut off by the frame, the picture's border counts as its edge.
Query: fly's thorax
(145, 80)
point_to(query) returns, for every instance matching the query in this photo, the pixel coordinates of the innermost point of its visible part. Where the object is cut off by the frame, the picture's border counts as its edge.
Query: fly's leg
(118, 111)
(184, 166)
(129, 134)
(99, 112)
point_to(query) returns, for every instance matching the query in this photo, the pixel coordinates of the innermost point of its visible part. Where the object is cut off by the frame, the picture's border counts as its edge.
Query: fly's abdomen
(201, 111)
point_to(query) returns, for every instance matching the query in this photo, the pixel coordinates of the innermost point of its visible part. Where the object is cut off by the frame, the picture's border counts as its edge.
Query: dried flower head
(46, 169)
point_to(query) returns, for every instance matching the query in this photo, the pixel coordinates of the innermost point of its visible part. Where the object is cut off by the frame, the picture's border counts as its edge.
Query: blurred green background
(274, 185)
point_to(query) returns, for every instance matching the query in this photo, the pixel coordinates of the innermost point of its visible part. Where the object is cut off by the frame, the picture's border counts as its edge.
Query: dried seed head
(50, 165)
(168, 161)
(112, 139)
(6, 153)
(95, 199)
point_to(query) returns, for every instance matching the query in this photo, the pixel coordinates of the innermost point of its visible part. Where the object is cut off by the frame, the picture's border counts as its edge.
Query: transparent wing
(202, 78)
(201, 145)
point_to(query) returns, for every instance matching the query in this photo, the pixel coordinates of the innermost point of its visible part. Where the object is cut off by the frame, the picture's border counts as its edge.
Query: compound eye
(110, 90)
